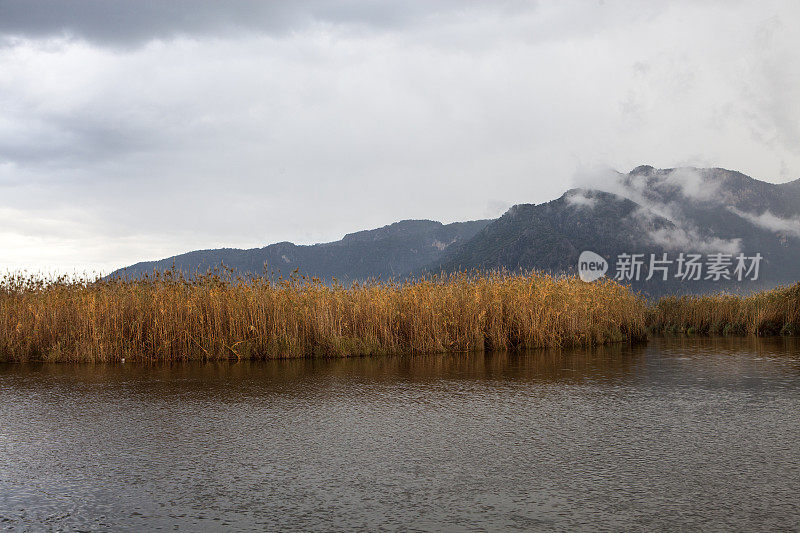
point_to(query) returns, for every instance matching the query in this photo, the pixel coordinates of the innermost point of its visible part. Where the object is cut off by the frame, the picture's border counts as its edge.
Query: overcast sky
(133, 130)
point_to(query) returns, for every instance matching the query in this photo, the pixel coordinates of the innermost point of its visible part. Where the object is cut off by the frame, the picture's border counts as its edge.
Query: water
(678, 434)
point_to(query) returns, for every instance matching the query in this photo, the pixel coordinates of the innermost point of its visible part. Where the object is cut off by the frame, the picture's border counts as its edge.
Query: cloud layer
(685, 184)
(128, 23)
(136, 130)
(772, 222)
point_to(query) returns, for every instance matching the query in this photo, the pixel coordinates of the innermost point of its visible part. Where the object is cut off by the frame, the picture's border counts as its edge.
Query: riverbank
(218, 316)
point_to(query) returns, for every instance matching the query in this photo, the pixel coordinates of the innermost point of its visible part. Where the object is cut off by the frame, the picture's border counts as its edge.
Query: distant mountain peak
(394, 229)
(392, 250)
(646, 170)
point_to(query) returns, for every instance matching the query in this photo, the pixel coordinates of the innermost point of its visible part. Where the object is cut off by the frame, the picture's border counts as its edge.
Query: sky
(136, 130)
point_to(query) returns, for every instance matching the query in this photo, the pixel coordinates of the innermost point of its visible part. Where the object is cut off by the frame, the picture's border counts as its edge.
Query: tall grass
(770, 312)
(169, 317)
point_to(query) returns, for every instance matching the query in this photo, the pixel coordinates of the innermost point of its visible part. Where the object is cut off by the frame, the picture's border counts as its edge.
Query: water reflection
(546, 365)
(678, 433)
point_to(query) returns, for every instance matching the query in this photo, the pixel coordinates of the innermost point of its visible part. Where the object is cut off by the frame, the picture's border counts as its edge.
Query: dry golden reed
(773, 312)
(217, 315)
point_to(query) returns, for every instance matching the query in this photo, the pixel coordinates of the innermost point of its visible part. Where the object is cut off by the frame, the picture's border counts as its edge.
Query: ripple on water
(681, 433)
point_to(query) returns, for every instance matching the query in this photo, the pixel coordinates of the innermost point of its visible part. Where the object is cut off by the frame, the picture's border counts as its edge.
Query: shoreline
(219, 317)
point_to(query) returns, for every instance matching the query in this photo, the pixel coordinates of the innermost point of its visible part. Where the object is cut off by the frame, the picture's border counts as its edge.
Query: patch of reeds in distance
(771, 312)
(219, 315)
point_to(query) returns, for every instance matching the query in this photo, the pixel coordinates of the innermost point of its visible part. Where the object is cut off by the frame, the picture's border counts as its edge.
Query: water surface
(681, 433)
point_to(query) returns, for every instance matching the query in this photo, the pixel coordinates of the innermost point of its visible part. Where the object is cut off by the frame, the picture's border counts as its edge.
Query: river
(676, 434)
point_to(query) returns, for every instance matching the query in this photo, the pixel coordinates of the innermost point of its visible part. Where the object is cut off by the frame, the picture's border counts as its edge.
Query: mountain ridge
(393, 250)
(647, 210)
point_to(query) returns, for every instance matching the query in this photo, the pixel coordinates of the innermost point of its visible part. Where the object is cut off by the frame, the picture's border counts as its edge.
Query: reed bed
(772, 312)
(217, 316)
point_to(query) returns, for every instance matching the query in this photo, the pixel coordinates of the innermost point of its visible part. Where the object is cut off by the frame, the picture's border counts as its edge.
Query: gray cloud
(770, 221)
(681, 238)
(134, 21)
(580, 199)
(688, 183)
(139, 129)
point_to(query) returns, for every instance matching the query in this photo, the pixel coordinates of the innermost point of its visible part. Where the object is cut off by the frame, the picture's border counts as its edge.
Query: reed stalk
(218, 315)
(772, 312)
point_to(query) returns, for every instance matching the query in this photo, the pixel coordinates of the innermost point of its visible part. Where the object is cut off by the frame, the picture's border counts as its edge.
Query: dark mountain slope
(551, 236)
(666, 211)
(391, 251)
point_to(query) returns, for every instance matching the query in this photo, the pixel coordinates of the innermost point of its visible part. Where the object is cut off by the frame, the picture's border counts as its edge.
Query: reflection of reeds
(167, 316)
(764, 313)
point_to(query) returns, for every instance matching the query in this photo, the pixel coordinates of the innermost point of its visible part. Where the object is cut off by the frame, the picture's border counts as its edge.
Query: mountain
(647, 211)
(392, 251)
(551, 236)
